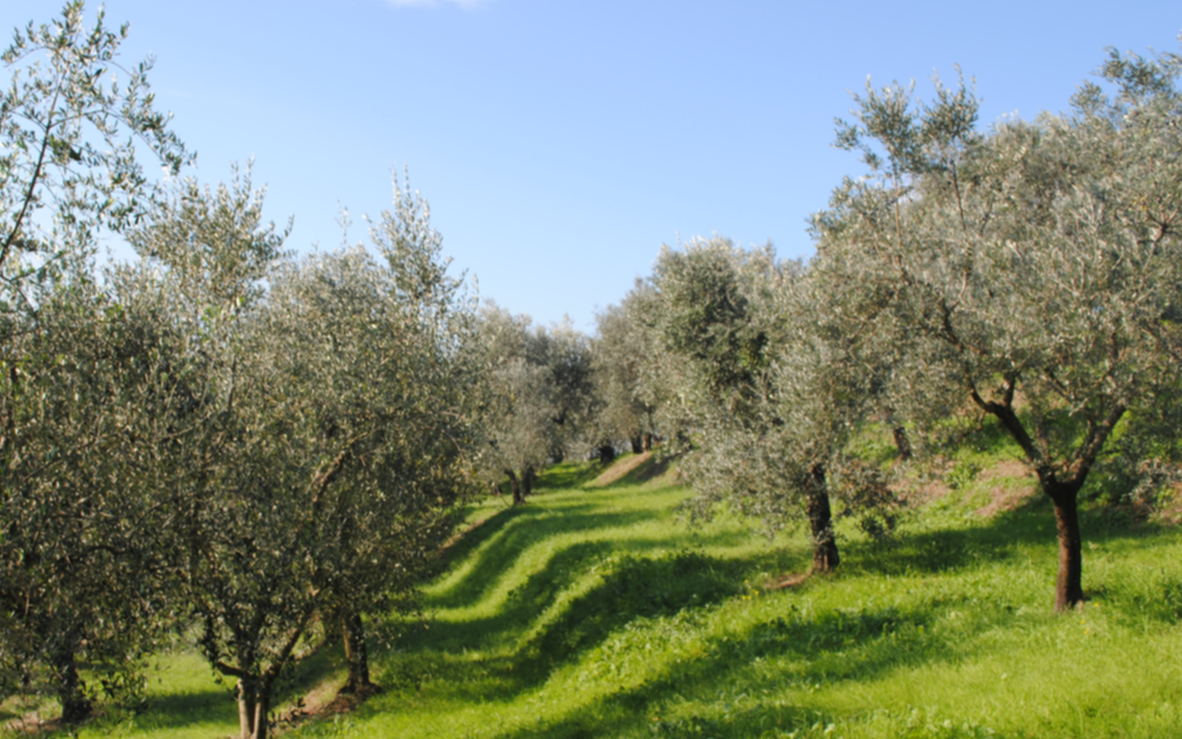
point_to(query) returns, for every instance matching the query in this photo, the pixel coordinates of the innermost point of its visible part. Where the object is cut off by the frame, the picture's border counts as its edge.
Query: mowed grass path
(596, 612)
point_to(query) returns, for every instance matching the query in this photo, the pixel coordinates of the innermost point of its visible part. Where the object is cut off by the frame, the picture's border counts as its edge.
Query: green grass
(595, 612)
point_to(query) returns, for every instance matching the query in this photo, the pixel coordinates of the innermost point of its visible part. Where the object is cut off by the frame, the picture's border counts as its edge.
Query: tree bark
(648, 443)
(246, 707)
(518, 498)
(262, 710)
(356, 653)
(254, 707)
(637, 444)
(825, 557)
(902, 443)
(1069, 582)
(527, 482)
(71, 690)
(607, 453)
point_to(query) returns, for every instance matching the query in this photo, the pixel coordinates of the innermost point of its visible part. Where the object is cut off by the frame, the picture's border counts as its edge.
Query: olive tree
(1031, 270)
(566, 354)
(538, 395)
(80, 359)
(85, 574)
(328, 463)
(69, 120)
(206, 250)
(516, 409)
(622, 354)
(769, 384)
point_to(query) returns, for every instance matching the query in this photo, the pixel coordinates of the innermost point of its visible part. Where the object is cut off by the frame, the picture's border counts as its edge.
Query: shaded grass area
(184, 698)
(596, 612)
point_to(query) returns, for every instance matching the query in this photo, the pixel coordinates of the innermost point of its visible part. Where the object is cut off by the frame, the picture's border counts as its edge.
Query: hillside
(593, 611)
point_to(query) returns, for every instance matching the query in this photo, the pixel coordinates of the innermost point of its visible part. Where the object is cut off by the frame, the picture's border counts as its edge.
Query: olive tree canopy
(769, 386)
(537, 395)
(69, 120)
(1032, 270)
(333, 424)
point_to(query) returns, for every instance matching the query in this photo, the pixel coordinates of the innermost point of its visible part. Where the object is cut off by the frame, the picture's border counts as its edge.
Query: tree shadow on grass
(621, 561)
(632, 587)
(568, 476)
(1007, 535)
(176, 710)
(855, 644)
(836, 646)
(489, 551)
(728, 679)
(499, 547)
(555, 517)
(635, 587)
(650, 470)
(992, 539)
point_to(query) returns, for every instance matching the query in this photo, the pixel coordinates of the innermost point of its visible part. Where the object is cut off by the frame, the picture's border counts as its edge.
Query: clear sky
(561, 142)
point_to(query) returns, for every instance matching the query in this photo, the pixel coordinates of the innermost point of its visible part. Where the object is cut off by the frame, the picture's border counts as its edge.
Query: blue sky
(560, 143)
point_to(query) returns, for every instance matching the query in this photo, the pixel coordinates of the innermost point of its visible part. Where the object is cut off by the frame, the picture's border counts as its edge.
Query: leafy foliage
(538, 395)
(1030, 271)
(69, 127)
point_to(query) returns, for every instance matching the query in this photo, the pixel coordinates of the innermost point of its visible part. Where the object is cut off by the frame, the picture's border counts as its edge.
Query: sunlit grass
(564, 621)
(594, 612)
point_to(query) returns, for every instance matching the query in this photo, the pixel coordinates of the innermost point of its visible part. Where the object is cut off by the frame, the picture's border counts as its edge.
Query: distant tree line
(225, 442)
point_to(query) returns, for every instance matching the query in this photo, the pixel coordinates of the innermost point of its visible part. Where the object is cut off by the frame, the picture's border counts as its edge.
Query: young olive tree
(769, 385)
(538, 395)
(621, 354)
(84, 581)
(207, 251)
(434, 316)
(330, 463)
(1032, 271)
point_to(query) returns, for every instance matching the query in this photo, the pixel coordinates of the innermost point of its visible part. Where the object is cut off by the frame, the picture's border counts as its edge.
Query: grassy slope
(594, 612)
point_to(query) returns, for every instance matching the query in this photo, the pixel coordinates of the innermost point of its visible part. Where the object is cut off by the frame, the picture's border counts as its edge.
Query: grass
(594, 612)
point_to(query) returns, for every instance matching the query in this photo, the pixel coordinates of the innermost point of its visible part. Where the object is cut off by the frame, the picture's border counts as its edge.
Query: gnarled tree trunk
(515, 485)
(254, 704)
(356, 653)
(71, 690)
(247, 706)
(528, 476)
(607, 453)
(1069, 581)
(902, 443)
(254, 687)
(825, 556)
(1063, 493)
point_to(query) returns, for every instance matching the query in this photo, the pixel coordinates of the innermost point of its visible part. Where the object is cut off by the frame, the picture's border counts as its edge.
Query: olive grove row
(216, 441)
